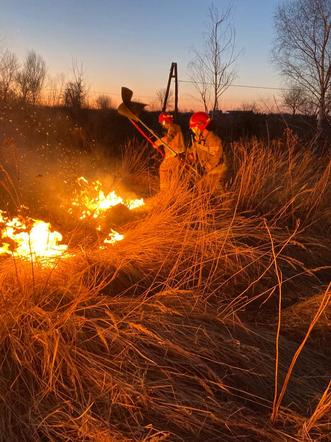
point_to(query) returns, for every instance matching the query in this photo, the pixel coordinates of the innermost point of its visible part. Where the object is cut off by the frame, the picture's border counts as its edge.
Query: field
(210, 320)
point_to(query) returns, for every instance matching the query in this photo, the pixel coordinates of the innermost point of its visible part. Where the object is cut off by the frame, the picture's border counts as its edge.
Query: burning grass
(186, 328)
(91, 200)
(30, 239)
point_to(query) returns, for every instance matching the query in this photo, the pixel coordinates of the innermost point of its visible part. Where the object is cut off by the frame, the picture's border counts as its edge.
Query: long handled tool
(126, 110)
(129, 109)
(132, 109)
(139, 129)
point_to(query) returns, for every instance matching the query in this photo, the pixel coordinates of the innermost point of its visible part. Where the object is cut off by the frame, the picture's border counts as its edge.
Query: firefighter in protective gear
(207, 151)
(173, 144)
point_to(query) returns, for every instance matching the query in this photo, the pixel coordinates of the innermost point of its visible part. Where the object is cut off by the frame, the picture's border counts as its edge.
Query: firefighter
(207, 151)
(174, 146)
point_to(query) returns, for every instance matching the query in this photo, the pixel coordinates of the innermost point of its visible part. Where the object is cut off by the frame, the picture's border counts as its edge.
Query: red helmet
(165, 118)
(199, 120)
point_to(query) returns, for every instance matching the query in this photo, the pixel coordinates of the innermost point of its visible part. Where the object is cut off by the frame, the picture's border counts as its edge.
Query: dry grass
(321, 411)
(170, 334)
(285, 181)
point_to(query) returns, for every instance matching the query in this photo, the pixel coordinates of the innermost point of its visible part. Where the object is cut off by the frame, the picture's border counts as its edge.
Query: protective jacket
(208, 151)
(174, 139)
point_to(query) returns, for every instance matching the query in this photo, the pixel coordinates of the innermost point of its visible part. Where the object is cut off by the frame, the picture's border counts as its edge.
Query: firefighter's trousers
(169, 171)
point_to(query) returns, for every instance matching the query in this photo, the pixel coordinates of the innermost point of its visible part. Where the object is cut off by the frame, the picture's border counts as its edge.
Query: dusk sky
(133, 42)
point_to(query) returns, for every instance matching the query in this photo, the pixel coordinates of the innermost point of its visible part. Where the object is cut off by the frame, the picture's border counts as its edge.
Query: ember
(29, 239)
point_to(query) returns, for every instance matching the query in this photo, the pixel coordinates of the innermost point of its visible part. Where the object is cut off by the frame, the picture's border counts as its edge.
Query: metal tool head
(126, 95)
(130, 109)
(126, 112)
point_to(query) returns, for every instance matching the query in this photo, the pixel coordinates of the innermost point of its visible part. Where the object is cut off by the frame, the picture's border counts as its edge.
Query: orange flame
(29, 239)
(93, 202)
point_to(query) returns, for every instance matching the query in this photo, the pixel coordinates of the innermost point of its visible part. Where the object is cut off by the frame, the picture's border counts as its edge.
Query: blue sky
(133, 42)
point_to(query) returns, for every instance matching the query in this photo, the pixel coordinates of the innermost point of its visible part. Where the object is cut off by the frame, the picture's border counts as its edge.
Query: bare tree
(302, 48)
(75, 92)
(31, 77)
(295, 99)
(250, 106)
(55, 88)
(200, 78)
(160, 96)
(8, 71)
(212, 71)
(328, 105)
(103, 102)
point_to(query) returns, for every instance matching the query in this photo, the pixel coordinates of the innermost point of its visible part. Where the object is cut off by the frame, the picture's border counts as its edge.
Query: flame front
(29, 239)
(92, 201)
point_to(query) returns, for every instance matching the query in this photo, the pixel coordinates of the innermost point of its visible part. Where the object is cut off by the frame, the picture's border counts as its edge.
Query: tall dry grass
(286, 180)
(170, 334)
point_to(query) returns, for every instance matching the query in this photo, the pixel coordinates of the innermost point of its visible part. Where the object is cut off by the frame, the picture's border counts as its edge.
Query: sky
(132, 43)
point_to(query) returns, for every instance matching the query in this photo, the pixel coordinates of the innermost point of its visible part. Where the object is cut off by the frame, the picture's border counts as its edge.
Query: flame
(93, 202)
(134, 204)
(113, 237)
(29, 239)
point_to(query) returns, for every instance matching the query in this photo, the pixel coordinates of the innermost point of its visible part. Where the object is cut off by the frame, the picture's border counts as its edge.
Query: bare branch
(212, 70)
(8, 71)
(160, 95)
(30, 79)
(302, 48)
(75, 92)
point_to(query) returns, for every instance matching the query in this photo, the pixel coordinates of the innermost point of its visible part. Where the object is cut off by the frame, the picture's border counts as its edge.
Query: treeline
(86, 128)
(35, 109)
(27, 82)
